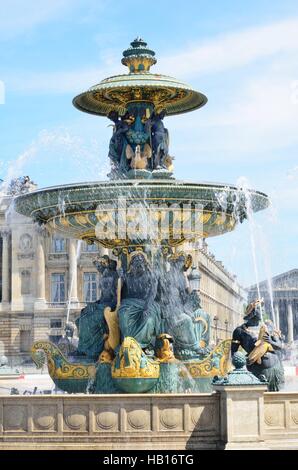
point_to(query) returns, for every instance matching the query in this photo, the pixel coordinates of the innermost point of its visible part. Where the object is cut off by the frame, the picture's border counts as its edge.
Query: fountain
(147, 332)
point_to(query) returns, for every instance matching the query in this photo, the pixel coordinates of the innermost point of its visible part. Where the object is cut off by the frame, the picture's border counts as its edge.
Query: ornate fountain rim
(73, 210)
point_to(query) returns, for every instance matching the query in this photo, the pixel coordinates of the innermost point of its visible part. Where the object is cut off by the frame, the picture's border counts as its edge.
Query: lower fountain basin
(84, 210)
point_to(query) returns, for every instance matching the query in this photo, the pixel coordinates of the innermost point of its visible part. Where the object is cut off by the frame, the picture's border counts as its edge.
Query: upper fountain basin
(114, 93)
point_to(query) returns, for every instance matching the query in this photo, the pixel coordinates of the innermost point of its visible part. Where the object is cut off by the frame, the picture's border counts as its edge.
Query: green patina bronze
(240, 375)
(147, 332)
(140, 85)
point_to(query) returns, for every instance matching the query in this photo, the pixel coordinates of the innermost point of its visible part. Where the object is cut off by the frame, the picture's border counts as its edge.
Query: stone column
(5, 266)
(276, 308)
(73, 271)
(242, 416)
(290, 323)
(40, 266)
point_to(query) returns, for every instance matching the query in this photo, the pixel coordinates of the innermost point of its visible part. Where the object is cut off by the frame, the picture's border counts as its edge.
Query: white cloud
(258, 116)
(235, 49)
(19, 16)
(57, 82)
(225, 52)
(292, 174)
(254, 115)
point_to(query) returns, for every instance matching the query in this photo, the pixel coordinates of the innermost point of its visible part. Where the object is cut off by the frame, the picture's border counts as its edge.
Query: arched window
(25, 282)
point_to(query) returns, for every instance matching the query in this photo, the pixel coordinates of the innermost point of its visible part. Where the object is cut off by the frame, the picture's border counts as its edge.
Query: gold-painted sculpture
(132, 362)
(113, 336)
(217, 363)
(59, 367)
(165, 352)
(139, 159)
(261, 347)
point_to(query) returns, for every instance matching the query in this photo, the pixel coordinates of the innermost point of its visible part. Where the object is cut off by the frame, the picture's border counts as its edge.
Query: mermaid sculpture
(263, 352)
(92, 324)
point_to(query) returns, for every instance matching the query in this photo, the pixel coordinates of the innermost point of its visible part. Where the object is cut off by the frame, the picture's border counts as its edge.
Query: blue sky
(242, 55)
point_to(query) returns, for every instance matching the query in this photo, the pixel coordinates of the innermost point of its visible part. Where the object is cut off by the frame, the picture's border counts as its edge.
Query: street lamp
(194, 279)
(215, 319)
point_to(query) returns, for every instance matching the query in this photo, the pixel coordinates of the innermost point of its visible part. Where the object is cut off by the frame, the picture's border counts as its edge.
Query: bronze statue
(159, 139)
(68, 344)
(139, 313)
(177, 316)
(263, 350)
(92, 324)
(118, 141)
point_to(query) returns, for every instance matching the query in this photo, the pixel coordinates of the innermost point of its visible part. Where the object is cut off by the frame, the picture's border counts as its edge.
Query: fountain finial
(138, 58)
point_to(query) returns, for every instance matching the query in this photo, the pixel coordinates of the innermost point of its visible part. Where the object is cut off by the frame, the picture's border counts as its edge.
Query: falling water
(78, 253)
(85, 156)
(243, 189)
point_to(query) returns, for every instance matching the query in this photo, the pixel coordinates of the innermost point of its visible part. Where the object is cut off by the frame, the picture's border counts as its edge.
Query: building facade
(221, 295)
(45, 280)
(280, 302)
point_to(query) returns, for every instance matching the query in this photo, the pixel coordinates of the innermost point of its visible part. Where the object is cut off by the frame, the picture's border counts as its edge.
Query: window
(55, 338)
(59, 245)
(90, 248)
(56, 323)
(25, 340)
(90, 287)
(25, 282)
(58, 287)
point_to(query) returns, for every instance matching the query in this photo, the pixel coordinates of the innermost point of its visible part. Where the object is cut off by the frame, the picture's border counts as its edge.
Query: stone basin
(81, 210)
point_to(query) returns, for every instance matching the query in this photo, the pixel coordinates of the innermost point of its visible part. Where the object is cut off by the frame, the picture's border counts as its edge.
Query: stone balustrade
(281, 419)
(231, 418)
(109, 421)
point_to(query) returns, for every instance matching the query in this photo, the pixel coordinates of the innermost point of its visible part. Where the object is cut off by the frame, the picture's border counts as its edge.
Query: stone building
(221, 295)
(44, 278)
(283, 299)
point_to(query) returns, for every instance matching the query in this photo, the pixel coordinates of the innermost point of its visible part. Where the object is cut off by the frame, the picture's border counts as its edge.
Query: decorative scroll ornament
(59, 367)
(216, 364)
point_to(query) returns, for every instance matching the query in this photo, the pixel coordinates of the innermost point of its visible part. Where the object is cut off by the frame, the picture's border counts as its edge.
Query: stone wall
(232, 418)
(110, 422)
(281, 419)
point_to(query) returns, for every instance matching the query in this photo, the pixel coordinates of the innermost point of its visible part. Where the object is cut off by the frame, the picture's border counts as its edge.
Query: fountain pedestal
(242, 416)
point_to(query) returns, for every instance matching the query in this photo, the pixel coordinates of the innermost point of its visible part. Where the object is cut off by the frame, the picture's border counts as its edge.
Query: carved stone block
(107, 419)
(138, 419)
(294, 414)
(203, 418)
(15, 418)
(45, 418)
(171, 418)
(274, 415)
(76, 418)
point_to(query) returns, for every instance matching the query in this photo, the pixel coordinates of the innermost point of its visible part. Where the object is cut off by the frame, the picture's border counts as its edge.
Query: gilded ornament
(133, 363)
(59, 367)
